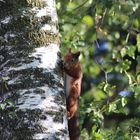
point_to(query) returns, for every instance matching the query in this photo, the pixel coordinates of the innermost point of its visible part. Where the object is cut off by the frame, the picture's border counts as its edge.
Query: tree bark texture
(32, 100)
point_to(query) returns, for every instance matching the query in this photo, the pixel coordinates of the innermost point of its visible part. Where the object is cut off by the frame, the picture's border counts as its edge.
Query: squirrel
(73, 79)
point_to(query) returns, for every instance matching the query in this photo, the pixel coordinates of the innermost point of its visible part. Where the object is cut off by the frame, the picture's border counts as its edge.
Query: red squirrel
(73, 77)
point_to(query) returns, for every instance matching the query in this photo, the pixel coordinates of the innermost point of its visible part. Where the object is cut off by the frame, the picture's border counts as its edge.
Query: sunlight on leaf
(112, 107)
(138, 42)
(88, 20)
(123, 101)
(123, 52)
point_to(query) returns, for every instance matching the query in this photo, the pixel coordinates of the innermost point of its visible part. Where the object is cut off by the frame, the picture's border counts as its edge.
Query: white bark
(30, 69)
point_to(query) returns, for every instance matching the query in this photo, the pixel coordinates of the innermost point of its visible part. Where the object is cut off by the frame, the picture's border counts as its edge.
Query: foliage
(108, 35)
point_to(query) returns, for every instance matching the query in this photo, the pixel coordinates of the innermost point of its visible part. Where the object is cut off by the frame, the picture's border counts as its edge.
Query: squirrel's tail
(73, 126)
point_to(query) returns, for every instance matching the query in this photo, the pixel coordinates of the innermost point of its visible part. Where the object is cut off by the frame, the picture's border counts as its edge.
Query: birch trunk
(32, 100)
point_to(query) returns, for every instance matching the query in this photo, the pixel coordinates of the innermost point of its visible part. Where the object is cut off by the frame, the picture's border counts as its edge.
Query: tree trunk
(32, 100)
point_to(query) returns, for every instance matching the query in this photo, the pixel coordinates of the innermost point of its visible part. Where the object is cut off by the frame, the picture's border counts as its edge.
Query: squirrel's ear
(69, 50)
(77, 55)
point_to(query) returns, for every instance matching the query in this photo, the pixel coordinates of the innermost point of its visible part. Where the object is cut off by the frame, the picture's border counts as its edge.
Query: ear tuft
(77, 55)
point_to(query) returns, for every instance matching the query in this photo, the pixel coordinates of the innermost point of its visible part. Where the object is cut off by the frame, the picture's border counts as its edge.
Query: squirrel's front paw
(69, 115)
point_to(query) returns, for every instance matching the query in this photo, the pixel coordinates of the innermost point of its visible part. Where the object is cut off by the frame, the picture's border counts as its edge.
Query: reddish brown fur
(74, 131)
(72, 67)
(74, 70)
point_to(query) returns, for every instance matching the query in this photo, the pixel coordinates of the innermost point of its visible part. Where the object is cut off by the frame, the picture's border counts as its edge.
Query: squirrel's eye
(72, 60)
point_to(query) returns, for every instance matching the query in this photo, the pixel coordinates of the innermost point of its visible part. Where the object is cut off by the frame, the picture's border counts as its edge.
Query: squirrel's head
(71, 59)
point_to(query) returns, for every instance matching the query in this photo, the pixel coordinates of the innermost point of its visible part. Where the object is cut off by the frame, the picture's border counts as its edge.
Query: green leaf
(2, 106)
(88, 20)
(71, 6)
(10, 103)
(112, 107)
(109, 69)
(123, 101)
(131, 51)
(138, 78)
(138, 42)
(136, 23)
(123, 52)
(105, 87)
(117, 35)
(125, 65)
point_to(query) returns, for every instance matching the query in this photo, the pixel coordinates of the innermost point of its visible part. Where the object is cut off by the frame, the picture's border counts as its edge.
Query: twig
(97, 43)
(103, 16)
(81, 5)
(105, 72)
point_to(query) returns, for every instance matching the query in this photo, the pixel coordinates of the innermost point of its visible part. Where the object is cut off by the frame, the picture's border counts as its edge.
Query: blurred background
(107, 32)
